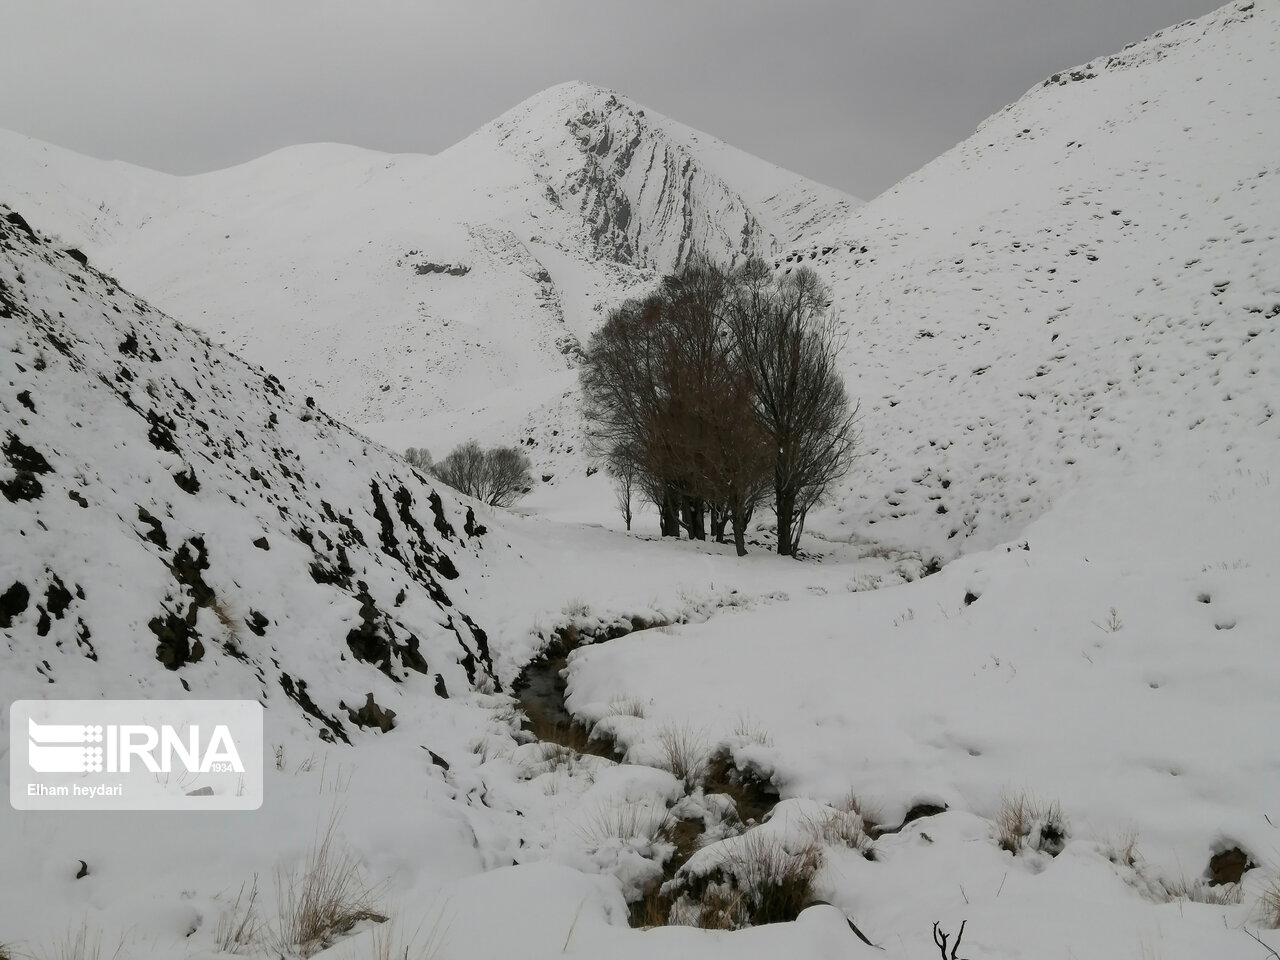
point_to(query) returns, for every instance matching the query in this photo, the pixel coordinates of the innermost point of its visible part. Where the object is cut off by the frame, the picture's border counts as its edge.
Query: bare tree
(419, 457)
(498, 476)
(716, 389)
(787, 340)
(624, 477)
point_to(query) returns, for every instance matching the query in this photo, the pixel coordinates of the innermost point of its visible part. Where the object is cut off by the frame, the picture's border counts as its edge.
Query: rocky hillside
(188, 524)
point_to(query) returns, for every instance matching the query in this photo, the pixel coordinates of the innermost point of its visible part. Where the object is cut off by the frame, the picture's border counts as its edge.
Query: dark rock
(12, 603)
(156, 534)
(186, 481)
(24, 458)
(262, 544)
(372, 715)
(438, 760)
(1229, 866)
(177, 641)
(17, 220)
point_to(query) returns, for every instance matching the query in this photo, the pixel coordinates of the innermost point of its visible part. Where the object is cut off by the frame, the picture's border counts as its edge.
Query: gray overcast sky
(855, 94)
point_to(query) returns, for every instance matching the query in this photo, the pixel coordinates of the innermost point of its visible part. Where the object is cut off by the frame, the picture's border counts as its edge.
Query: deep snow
(1064, 333)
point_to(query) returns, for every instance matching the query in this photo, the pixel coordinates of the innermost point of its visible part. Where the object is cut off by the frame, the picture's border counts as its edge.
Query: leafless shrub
(419, 457)
(323, 901)
(240, 928)
(684, 752)
(498, 476)
(940, 940)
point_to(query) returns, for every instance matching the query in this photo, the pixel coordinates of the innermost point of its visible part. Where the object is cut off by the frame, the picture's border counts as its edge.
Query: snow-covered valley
(1024, 677)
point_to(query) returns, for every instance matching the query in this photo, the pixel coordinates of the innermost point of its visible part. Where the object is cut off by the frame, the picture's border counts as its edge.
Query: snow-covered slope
(174, 533)
(399, 286)
(1086, 283)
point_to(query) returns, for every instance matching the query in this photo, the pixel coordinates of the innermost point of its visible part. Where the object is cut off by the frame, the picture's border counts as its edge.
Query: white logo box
(135, 755)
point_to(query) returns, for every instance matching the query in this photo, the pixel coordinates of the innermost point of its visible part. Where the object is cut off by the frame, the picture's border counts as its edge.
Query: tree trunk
(719, 520)
(785, 506)
(740, 532)
(693, 515)
(669, 513)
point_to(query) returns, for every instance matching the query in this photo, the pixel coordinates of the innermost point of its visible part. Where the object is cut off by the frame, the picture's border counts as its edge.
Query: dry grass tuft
(749, 729)
(1201, 891)
(651, 910)
(240, 928)
(1123, 851)
(648, 823)
(761, 882)
(326, 900)
(684, 752)
(77, 943)
(842, 828)
(388, 945)
(627, 706)
(1269, 903)
(1022, 820)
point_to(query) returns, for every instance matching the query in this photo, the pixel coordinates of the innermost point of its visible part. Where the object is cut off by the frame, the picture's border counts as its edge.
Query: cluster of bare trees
(716, 391)
(498, 476)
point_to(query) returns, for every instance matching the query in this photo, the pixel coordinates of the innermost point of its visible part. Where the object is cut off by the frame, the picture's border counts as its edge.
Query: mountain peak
(652, 190)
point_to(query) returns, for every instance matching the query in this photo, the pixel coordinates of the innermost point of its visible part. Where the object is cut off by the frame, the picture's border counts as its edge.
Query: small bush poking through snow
(1024, 821)
(760, 882)
(324, 901)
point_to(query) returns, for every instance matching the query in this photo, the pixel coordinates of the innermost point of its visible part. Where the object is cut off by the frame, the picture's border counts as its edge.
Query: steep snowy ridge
(187, 524)
(395, 287)
(653, 191)
(1085, 283)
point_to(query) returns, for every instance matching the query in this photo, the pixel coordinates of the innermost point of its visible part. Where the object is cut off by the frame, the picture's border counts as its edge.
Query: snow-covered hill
(394, 287)
(175, 533)
(1085, 284)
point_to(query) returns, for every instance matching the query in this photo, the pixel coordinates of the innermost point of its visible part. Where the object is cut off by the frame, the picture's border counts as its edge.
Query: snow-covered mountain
(1086, 283)
(399, 286)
